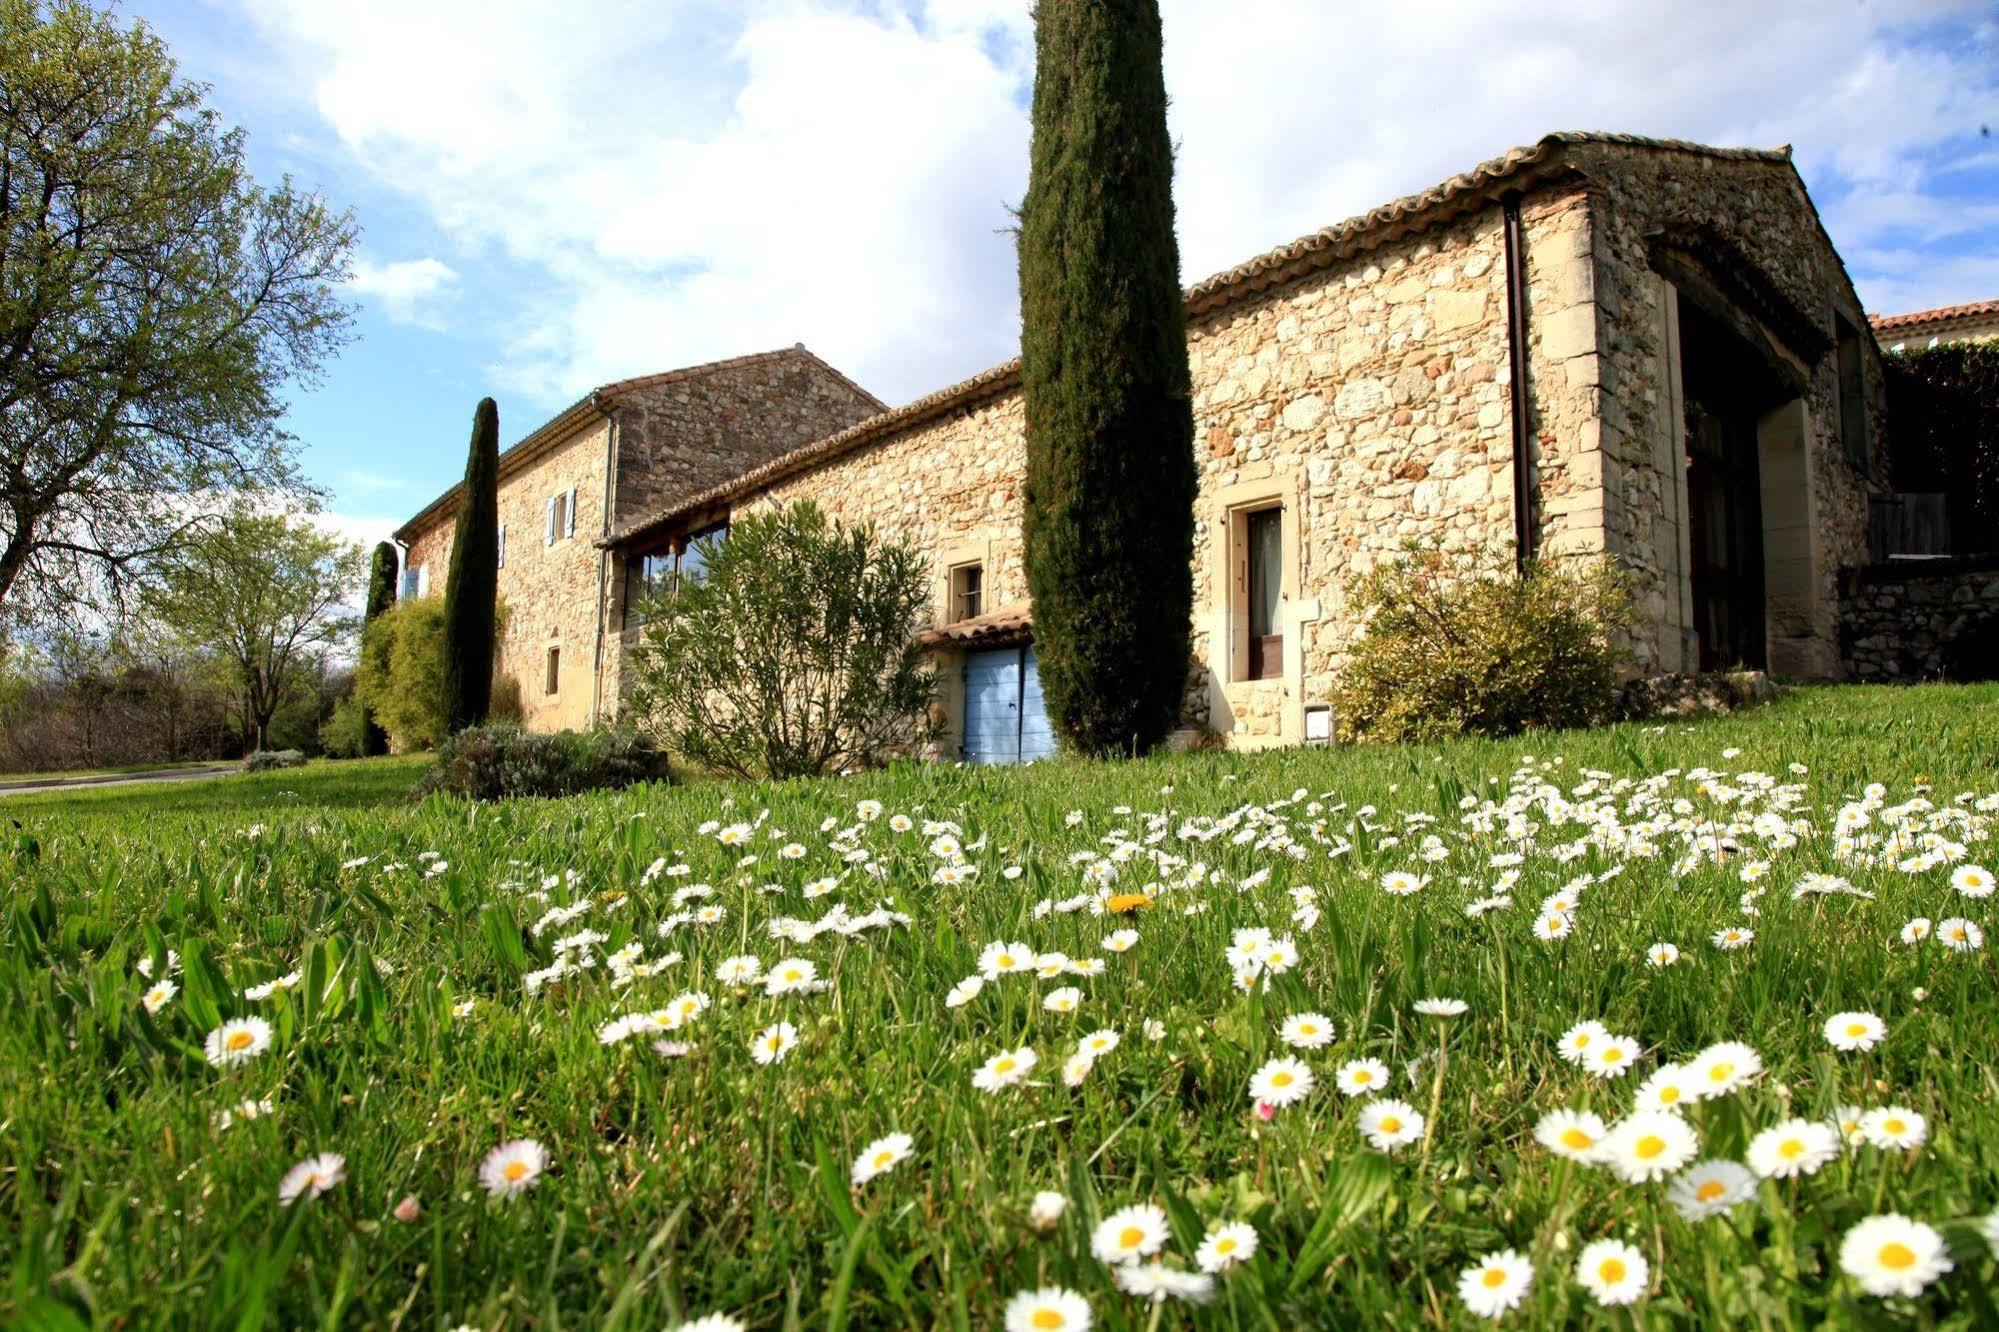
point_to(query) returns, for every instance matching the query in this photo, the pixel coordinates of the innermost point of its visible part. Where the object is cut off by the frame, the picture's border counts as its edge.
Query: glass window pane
(694, 560)
(1266, 580)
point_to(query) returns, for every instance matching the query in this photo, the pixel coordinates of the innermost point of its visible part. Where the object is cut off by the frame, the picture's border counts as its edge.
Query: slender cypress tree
(381, 596)
(1110, 429)
(473, 583)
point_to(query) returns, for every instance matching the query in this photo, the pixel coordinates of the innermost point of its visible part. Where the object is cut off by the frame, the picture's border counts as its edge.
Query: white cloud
(409, 291)
(683, 182)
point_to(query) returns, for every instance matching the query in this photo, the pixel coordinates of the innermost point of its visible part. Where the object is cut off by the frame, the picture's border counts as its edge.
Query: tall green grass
(707, 1182)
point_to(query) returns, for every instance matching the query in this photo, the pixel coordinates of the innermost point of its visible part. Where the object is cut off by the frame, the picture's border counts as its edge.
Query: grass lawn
(324, 784)
(705, 1007)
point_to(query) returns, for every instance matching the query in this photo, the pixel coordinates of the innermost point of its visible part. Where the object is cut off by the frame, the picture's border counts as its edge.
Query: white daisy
(1226, 1245)
(1306, 1031)
(1960, 935)
(1723, 1068)
(1389, 1126)
(1612, 1271)
(1893, 1255)
(774, 1043)
(1129, 1234)
(1361, 1077)
(238, 1041)
(311, 1177)
(1571, 1133)
(1893, 1128)
(1496, 1283)
(1648, 1145)
(1049, 1309)
(1662, 955)
(881, 1156)
(1281, 1082)
(1611, 1056)
(1854, 1031)
(1063, 1000)
(1708, 1188)
(1577, 1040)
(1793, 1148)
(513, 1167)
(1973, 880)
(1005, 1069)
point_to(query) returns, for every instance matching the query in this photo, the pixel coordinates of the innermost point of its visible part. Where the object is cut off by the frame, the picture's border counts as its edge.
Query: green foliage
(1943, 433)
(401, 676)
(400, 679)
(159, 305)
(505, 762)
(1464, 647)
(265, 592)
(1110, 462)
(471, 588)
(794, 655)
(345, 732)
(381, 596)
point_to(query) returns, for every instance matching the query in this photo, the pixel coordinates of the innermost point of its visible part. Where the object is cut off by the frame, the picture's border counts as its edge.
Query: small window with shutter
(561, 517)
(502, 553)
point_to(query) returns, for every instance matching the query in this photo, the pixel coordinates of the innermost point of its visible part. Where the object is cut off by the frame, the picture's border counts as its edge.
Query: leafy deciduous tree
(154, 304)
(265, 591)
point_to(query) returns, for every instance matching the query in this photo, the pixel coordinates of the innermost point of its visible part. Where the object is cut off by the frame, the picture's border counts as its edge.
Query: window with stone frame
(561, 517)
(1263, 591)
(968, 591)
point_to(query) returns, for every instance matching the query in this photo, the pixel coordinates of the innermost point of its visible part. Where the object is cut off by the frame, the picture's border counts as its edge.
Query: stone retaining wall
(1907, 621)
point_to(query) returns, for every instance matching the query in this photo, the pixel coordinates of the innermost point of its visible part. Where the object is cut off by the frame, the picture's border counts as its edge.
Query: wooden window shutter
(569, 514)
(548, 532)
(502, 553)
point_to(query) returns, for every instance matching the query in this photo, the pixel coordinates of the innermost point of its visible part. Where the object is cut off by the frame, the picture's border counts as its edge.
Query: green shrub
(268, 760)
(1467, 647)
(344, 734)
(504, 762)
(401, 677)
(794, 655)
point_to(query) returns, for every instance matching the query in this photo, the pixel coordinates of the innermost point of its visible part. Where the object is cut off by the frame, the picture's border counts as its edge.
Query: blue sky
(554, 195)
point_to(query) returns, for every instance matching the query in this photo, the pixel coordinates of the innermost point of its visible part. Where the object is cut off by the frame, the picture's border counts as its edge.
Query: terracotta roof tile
(1516, 169)
(1943, 314)
(1003, 624)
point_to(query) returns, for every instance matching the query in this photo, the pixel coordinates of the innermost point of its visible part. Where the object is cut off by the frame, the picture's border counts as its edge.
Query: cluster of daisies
(674, 958)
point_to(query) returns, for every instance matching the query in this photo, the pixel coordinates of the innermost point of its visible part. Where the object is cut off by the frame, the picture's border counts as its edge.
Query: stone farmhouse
(1595, 345)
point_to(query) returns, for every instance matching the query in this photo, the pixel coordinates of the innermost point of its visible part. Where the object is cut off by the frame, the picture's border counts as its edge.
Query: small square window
(968, 591)
(553, 679)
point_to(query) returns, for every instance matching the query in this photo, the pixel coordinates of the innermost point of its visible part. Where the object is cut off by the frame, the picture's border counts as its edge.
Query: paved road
(123, 779)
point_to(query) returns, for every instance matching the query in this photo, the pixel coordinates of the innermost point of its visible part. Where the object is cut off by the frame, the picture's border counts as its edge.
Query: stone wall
(679, 434)
(1369, 399)
(1921, 620)
(1634, 455)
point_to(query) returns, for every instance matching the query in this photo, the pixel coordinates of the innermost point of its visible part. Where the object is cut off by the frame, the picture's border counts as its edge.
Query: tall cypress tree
(1110, 429)
(473, 583)
(381, 596)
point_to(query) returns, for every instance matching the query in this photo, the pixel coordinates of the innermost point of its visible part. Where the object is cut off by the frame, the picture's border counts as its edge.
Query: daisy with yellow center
(513, 1168)
(1049, 1309)
(1130, 1233)
(1893, 1255)
(881, 1156)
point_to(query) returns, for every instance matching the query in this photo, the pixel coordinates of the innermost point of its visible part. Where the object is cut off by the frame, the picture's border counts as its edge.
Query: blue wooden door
(1037, 737)
(1005, 720)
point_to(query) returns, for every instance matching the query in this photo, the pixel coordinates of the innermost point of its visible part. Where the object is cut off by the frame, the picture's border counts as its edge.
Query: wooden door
(1725, 535)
